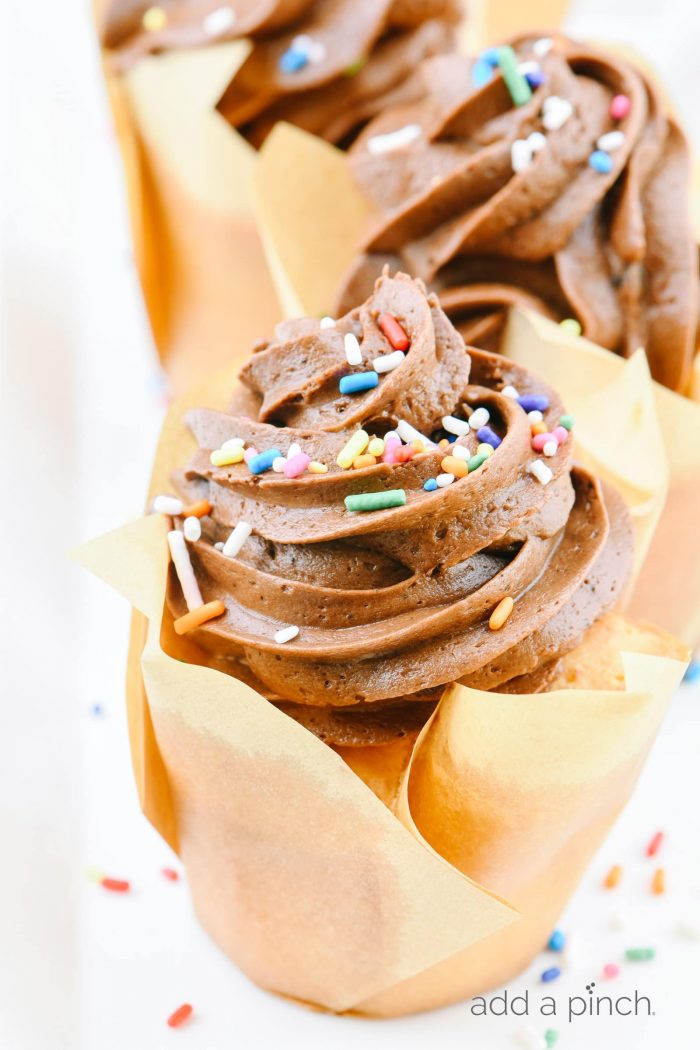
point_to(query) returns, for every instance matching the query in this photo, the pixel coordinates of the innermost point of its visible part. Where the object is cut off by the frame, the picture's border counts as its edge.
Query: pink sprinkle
(620, 107)
(561, 434)
(391, 445)
(540, 440)
(296, 465)
(249, 453)
(170, 874)
(611, 970)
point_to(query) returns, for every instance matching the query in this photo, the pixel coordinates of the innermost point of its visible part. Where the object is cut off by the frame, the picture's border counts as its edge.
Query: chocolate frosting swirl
(613, 250)
(393, 604)
(364, 55)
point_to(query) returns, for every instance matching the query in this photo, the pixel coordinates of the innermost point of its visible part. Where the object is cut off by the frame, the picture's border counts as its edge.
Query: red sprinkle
(171, 874)
(182, 1014)
(620, 107)
(611, 970)
(655, 844)
(115, 885)
(394, 332)
(404, 453)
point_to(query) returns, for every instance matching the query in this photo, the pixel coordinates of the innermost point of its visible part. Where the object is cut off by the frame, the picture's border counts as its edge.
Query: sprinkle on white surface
(286, 634)
(237, 538)
(184, 570)
(167, 505)
(393, 139)
(192, 529)
(388, 362)
(541, 471)
(218, 21)
(352, 349)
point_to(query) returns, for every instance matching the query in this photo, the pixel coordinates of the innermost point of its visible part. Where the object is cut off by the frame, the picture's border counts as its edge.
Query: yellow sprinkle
(317, 468)
(443, 444)
(354, 448)
(376, 447)
(501, 613)
(364, 461)
(539, 428)
(485, 449)
(418, 445)
(154, 19)
(219, 458)
(453, 465)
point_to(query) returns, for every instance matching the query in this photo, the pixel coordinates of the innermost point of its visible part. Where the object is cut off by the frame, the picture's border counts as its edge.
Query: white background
(82, 969)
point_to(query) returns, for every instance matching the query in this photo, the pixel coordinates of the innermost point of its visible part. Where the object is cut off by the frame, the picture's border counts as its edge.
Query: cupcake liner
(380, 881)
(615, 394)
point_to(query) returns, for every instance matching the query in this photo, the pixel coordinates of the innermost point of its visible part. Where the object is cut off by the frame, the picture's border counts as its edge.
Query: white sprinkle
(529, 1038)
(619, 920)
(352, 349)
(278, 464)
(528, 67)
(555, 112)
(314, 50)
(218, 21)
(327, 322)
(388, 362)
(192, 528)
(167, 505)
(542, 47)
(218, 546)
(550, 448)
(459, 451)
(535, 416)
(479, 418)
(393, 139)
(408, 433)
(443, 480)
(541, 471)
(510, 391)
(294, 450)
(611, 141)
(687, 929)
(286, 634)
(184, 570)
(391, 434)
(536, 141)
(452, 425)
(520, 155)
(232, 444)
(237, 538)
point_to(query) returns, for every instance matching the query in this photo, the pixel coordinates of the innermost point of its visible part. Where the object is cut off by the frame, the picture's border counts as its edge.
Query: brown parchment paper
(381, 881)
(613, 399)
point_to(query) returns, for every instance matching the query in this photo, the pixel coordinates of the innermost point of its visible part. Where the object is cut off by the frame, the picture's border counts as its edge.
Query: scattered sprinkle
(293, 60)
(170, 874)
(601, 161)
(484, 449)
(263, 461)
(538, 428)
(363, 501)
(557, 941)
(296, 465)
(488, 436)
(501, 613)
(192, 528)
(551, 974)
(430, 485)
(317, 468)
(218, 21)
(571, 326)
(658, 882)
(537, 141)
(551, 1037)
(218, 546)
(542, 47)
(482, 72)
(251, 453)
(443, 480)
(550, 448)
(197, 617)
(234, 442)
(179, 1016)
(555, 112)
(315, 50)
(640, 954)
(539, 440)
(655, 844)
(520, 155)
(518, 87)
(167, 505)
(392, 444)
(479, 418)
(376, 446)
(620, 107)
(692, 673)
(561, 434)
(153, 19)
(97, 710)
(358, 382)
(183, 567)
(535, 417)
(388, 362)
(611, 970)
(236, 539)
(293, 450)
(353, 353)
(393, 139)
(611, 141)
(476, 461)
(408, 433)
(452, 425)
(115, 885)
(567, 421)
(279, 464)
(533, 402)
(286, 634)
(354, 447)
(687, 929)
(365, 460)
(613, 877)
(455, 465)
(355, 67)
(541, 471)
(510, 391)
(200, 509)
(394, 332)
(460, 452)
(327, 322)
(220, 458)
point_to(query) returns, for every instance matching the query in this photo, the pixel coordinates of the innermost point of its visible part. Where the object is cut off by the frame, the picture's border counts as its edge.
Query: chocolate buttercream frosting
(393, 604)
(327, 66)
(575, 203)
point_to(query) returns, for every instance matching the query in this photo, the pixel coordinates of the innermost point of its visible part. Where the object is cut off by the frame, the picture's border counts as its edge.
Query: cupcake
(547, 174)
(327, 67)
(385, 512)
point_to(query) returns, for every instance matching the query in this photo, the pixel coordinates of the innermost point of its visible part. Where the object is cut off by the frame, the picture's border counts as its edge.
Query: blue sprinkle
(481, 73)
(97, 710)
(693, 672)
(556, 941)
(490, 56)
(536, 78)
(551, 974)
(534, 402)
(292, 61)
(601, 161)
(489, 436)
(430, 485)
(358, 382)
(263, 460)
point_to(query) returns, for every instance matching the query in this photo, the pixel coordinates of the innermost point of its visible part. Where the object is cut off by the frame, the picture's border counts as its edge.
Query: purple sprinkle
(534, 402)
(535, 78)
(489, 436)
(551, 974)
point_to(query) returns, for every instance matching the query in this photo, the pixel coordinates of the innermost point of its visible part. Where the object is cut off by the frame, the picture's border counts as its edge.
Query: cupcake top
(383, 511)
(547, 174)
(327, 66)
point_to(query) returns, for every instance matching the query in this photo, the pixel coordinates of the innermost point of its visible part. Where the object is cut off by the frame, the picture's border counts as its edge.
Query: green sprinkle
(354, 68)
(570, 325)
(520, 90)
(376, 500)
(567, 422)
(639, 954)
(550, 1037)
(475, 462)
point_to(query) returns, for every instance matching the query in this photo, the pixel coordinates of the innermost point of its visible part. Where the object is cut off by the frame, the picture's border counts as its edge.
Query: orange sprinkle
(199, 616)
(655, 844)
(501, 613)
(538, 428)
(364, 461)
(182, 1014)
(443, 444)
(453, 465)
(418, 445)
(197, 510)
(658, 883)
(613, 877)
